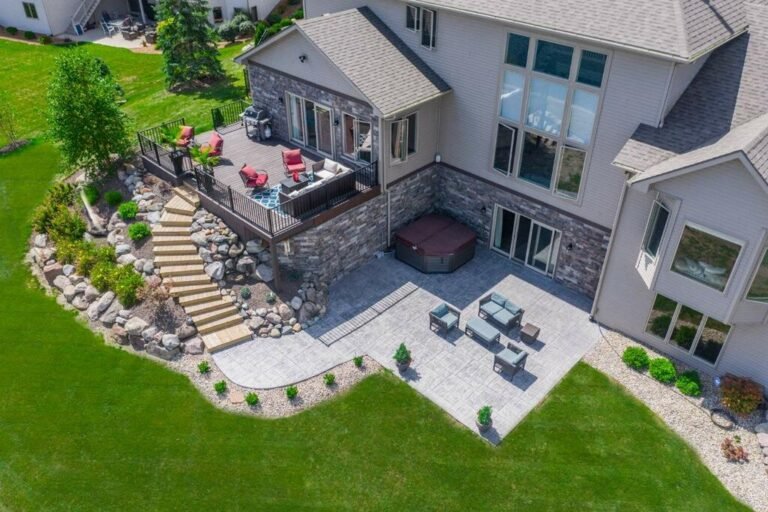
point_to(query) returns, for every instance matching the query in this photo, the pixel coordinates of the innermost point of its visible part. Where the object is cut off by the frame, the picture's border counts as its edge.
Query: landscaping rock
(254, 246)
(171, 341)
(262, 312)
(149, 267)
(296, 303)
(61, 282)
(109, 317)
(156, 350)
(199, 239)
(121, 249)
(135, 325)
(256, 323)
(91, 293)
(126, 259)
(41, 240)
(264, 272)
(136, 341)
(153, 217)
(103, 303)
(69, 292)
(186, 331)
(274, 333)
(52, 271)
(80, 303)
(119, 335)
(274, 318)
(236, 396)
(286, 330)
(762, 439)
(194, 346)
(223, 249)
(762, 428)
(285, 312)
(215, 270)
(150, 333)
(296, 327)
(206, 255)
(68, 270)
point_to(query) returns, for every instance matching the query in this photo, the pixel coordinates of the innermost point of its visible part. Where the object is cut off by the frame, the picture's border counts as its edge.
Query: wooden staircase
(216, 318)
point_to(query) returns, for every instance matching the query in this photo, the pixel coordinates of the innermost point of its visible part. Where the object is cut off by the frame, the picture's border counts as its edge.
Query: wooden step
(170, 240)
(183, 259)
(199, 298)
(225, 338)
(170, 231)
(180, 206)
(202, 319)
(193, 289)
(179, 270)
(174, 219)
(221, 323)
(201, 278)
(178, 250)
(207, 307)
(188, 195)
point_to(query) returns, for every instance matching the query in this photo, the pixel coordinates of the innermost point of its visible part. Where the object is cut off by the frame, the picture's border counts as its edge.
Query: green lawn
(84, 426)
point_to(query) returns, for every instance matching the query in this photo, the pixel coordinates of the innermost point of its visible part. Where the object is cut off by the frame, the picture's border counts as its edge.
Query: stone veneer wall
(268, 87)
(464, 198)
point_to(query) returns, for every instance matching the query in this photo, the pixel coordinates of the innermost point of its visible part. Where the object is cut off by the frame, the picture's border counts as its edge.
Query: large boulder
(274, 318)
(80, 303)
(126, 259)
(121, 249)
(256, 323)
(285, 312)
(215, 270)
(246, 265)
(41, 240)
(119, 335)
(109, 317)
(61, 282)
(194, 346)
(235, 250)
(52, 271)
(135, 325)
(170, 341)
(186, 331)
(154, 349)
(199, 239)
(90, 293)
(69, 292)
(104, 301)
(264, 272)
(296, 303)
(254, 246)
(68, 270)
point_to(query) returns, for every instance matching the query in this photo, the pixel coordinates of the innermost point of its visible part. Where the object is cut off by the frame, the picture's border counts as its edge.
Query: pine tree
(188, 42)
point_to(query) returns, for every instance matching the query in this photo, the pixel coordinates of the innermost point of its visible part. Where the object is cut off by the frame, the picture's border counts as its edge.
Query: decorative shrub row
(662, 369)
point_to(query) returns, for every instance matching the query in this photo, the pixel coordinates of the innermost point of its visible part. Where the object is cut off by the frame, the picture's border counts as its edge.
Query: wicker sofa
(332, 182)
(501, 310)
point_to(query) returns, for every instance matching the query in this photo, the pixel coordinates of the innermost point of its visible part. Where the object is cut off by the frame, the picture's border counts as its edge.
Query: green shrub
(12, 30)
(204, 367)
(28, 34)
(101, 275)
(291, 392)
(741, 395)
(91, 194)
(245, 293)
(252, 399)
(358, 360)
(89, 255)
(270, 297)
(228, 31)
(220, 387)
(662, 370)
(66, 225)
(128, 210)
(636, 358)
(126, 283)
(258, 31)
(67, 251)
(329, 379)
(138, 231)
(402, 355)
(113, 197)
(61, 194)
(44, 39)
(299, 14)
(273, 19)
(689, 383)
(484, 415)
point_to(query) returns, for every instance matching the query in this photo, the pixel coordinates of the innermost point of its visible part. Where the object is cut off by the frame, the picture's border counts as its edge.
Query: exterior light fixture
(302, 57)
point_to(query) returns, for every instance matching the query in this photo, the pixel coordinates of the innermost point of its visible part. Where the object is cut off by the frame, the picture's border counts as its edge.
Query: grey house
(619, 147)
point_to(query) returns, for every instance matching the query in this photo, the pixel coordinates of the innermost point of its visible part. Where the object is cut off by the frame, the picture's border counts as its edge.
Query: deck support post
(275, 264)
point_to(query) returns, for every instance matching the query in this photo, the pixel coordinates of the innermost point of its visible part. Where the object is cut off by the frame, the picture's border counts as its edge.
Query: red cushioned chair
(186, 137)
(253, 178)
(293, 162)
(215, 144)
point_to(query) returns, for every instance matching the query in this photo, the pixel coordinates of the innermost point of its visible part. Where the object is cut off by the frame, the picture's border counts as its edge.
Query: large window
(525, 240)
(428, 28)
(654, 232)
(218, 14)
(30, 10)
(403, 138)
(311, 124)
(758, 291)
(412, 17)
(357, 138)
(687, 329)
(549, 97)
(705, 257)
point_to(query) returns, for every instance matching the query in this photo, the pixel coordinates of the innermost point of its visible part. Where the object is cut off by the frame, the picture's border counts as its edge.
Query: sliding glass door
(525, 240)
(311, 124)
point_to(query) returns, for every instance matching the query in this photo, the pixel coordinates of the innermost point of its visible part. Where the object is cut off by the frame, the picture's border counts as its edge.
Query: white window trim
(432, 35)
(562, 139)
(303, 143)
(398, 161)
(667, 340)
(356, 121)
(27, 10)
(647, 232)
(558, 169)
(753, 275)
(510, 164)
(497, 208)
(416, 17)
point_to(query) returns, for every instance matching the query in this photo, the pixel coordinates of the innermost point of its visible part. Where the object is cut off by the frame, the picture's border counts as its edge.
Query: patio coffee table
(529, 333)
(478, 328)
(288, 185)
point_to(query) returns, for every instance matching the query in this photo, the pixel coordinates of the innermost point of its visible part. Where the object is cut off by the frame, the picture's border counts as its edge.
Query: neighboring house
(569, 135)
(223, 10)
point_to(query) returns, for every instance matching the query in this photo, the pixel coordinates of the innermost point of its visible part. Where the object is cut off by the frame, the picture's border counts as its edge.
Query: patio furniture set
(495, 308)
(130, 29)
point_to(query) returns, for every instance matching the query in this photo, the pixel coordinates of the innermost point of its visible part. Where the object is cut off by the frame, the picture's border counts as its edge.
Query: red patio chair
(253, 178)
(293, 162)
(215, 144)
(186, 137)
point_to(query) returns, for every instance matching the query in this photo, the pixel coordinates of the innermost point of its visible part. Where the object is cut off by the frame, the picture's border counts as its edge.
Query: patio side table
(529, 333)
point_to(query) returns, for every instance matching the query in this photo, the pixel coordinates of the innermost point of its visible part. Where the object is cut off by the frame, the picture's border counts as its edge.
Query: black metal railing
(292, 211)
(228, 114)
(152, 148)
(155, 133)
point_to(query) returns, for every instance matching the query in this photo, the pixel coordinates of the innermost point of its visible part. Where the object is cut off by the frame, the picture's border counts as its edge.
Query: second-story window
(357, 138)
(654, 232)
(403, 138)
(428, 28)
(30, 10)
(548, 101)
(412, 17)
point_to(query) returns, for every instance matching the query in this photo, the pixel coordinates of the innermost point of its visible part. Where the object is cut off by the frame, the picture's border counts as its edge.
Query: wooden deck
(264, 156)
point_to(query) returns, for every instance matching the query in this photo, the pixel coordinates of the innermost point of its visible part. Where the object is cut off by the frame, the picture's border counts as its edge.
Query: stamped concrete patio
(387, 302)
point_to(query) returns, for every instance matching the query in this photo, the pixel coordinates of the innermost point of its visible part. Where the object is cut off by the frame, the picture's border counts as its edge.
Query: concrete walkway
(454, 371)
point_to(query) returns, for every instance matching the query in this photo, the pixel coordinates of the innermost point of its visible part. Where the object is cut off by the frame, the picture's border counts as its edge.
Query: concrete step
(221, 323)
(179, 270)
(175, 220)
(202, 319)
(207, 307)
(171, 231)
(180, 206)
(201, 278)
(171, 250)
(225, 338)
(193, 289)
(199, 298)
(183, 259)
(158, 240)
(188, 195)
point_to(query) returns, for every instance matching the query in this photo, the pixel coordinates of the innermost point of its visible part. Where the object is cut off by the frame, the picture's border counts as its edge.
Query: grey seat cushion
(498, 299)
(503, 316)
(440, 311)
(511, 307)
(511, 357)
(450, 320)
(482, 328)
(490, 308)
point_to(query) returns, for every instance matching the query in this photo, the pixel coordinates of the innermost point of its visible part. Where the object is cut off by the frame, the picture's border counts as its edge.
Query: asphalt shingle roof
(677, 28)
(730, 90)
(388, 73)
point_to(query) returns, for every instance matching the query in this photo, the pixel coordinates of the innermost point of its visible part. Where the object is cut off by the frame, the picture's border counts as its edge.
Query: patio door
(525, 240)
(311, 124)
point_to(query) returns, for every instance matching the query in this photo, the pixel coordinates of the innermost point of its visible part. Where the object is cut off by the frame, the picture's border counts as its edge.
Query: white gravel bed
(689, 418)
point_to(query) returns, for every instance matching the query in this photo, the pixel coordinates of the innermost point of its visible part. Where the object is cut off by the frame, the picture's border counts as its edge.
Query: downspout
(608, 252)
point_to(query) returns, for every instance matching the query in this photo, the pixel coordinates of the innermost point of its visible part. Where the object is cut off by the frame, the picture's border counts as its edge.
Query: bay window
(705, 257)
(758, 290)
(549, 97)
(654, 231)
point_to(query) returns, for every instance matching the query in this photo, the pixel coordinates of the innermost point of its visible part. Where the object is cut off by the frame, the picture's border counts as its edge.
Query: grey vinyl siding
(12, 15)
(742, 212)
(426, 142)
(682, 75)
(59, 14)
(317, 69)
(469, 56)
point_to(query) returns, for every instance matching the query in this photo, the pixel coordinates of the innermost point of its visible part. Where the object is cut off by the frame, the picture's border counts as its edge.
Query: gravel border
(689, 418)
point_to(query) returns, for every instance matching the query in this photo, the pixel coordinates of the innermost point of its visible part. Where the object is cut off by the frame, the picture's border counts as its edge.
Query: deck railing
(291, 212)
(151, 147)
(228, 114)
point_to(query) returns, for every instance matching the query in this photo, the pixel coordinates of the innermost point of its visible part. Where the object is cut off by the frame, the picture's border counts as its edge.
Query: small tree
(202, 156)
(84, 116)
(188, 42)
(8, 121)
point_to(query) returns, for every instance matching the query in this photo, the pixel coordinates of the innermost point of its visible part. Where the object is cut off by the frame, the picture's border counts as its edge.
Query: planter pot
(483, 428)
(403, 367)
(177, 158)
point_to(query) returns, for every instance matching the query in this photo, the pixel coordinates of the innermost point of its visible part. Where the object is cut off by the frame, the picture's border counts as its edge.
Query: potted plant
(403, 358)
(169, 137)
(484, 420)
(202, 157)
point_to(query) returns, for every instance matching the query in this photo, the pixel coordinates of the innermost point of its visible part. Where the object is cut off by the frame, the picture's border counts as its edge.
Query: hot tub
(434, 244)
